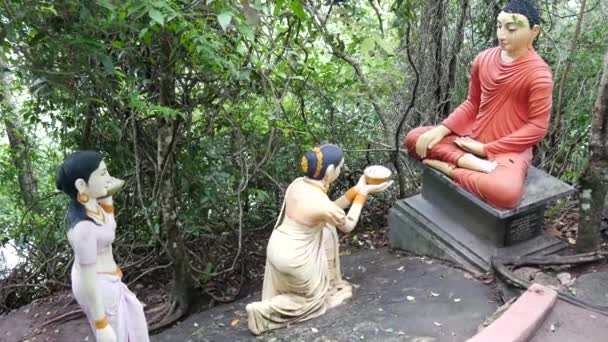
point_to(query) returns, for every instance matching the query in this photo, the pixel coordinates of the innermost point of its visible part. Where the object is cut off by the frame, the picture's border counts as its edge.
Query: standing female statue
(113, 311)
(302, 278)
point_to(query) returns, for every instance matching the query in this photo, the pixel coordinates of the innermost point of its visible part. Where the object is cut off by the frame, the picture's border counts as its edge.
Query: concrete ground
(396, 299)
(568, 323)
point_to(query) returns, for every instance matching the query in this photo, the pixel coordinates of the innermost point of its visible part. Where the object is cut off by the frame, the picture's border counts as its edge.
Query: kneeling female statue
(302, 277)
(113, 311)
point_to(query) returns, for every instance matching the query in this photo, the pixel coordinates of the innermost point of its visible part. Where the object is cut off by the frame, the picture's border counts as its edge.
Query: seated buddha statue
(302, 277)
(485, 144)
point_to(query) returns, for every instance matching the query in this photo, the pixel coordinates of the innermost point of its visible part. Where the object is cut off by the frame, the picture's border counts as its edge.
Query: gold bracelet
(360, 199)
(101, 323)
(351, 194)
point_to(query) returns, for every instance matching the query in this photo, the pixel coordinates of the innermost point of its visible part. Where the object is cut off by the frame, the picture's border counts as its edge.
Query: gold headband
(319, 154)
(304, 164)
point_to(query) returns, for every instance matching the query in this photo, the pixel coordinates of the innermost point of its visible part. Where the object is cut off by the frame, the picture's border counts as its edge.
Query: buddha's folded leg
(445, 150)
(501, 188)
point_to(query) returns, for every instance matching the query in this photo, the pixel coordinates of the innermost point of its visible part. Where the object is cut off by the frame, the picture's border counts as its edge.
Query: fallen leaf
(234, 322)
(437, 324)
(315, 330)
(434, 294)
(410, 298)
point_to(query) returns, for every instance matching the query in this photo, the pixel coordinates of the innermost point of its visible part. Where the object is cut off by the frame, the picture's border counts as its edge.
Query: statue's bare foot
(472, 162)
(338, 296)
(439, 165)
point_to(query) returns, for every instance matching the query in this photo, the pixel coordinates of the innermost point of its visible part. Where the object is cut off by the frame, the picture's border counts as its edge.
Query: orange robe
(507, 109)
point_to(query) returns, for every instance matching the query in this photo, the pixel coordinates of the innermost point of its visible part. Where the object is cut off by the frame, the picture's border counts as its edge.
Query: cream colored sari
(302, 278)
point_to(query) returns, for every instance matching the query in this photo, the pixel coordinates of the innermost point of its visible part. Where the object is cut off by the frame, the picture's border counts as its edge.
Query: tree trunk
(495, 6)
(167, 129)
(85, 138)
(17, 140)
(446, 107)
(562, 82)
(594, 181)
(438, 18)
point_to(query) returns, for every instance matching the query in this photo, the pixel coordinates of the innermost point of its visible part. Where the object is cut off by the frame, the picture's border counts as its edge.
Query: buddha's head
(323, 162)
(517, 26)
(83, 176)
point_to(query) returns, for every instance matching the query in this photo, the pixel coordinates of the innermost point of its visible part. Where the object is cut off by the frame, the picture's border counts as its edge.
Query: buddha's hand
(374, 188)
(470, 145)
(106, 334)
(428, 140)
(335, 216)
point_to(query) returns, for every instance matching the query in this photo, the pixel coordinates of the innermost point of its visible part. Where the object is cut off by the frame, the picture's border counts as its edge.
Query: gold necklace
(98, 215)
(316, 185)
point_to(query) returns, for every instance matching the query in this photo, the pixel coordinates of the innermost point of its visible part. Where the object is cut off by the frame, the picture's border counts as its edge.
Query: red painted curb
(521, 320)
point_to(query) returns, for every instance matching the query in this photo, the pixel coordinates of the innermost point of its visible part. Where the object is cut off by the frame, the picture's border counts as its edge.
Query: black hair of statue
(78, 165)
(527, 8)
(330, 154)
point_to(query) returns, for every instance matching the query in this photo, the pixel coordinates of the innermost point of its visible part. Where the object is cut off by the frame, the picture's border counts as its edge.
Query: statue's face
(98, 183)
(514, 33)
(336, 172)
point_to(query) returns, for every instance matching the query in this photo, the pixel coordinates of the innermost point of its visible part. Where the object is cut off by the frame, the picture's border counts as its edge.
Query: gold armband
(101, 323)
(117, 273)
(360, 199)
(351, 194)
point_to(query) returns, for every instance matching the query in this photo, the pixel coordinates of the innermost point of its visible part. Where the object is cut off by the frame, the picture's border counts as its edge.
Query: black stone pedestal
(447, 222)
